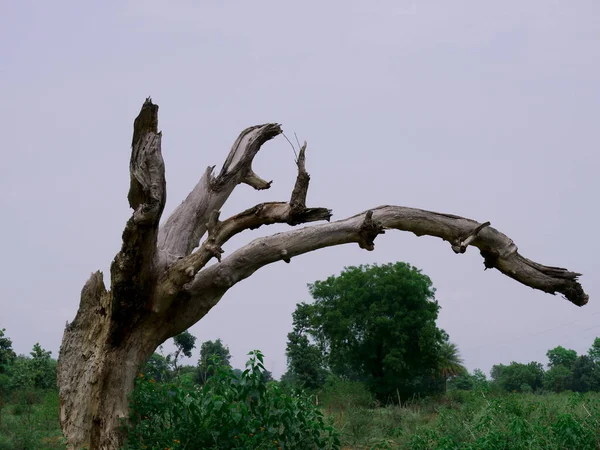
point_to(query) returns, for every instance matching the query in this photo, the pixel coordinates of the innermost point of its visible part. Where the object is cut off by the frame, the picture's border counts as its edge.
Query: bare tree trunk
(159, 288)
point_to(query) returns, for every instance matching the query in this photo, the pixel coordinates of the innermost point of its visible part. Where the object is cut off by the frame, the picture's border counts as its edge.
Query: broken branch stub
(461, 244)
(132, 274)
(369, 230)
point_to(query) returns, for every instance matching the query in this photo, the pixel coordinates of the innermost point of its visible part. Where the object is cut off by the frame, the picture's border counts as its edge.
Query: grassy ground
(30, 422)
(461, 420)
(465, 420)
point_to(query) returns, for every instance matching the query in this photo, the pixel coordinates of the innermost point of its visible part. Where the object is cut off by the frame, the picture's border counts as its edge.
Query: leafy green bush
(514, 421)
(226, 413)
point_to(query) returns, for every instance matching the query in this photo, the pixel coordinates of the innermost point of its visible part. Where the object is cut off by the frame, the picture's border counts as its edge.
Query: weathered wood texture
(159, 288)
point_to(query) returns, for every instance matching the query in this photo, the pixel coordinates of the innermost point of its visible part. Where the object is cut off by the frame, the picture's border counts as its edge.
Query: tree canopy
(372, 323)
(212, 354)
(560, 356)
(306, 363)
(518, 377)
(450, 363)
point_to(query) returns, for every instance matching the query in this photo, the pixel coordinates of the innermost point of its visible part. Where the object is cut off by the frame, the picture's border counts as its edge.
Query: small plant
(226, 413)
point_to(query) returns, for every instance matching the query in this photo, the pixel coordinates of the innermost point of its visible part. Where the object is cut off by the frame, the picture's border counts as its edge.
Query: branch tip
(253, 180)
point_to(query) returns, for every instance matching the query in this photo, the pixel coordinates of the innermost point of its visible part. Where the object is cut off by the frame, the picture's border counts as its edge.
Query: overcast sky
(483, 109)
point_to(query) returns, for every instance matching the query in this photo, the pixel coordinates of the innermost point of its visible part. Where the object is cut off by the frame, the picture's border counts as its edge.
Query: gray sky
(483, 109)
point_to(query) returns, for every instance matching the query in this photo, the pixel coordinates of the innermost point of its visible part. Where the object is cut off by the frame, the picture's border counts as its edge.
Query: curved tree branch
(496, 248)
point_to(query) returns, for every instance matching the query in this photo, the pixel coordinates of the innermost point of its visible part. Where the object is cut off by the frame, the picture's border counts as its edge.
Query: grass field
(469, 420)
(460, 420)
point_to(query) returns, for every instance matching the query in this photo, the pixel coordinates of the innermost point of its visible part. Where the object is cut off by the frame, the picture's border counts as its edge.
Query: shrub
(226, 413)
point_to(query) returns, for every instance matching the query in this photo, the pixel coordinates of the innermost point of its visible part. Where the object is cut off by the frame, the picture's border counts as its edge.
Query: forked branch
(293, 213)
(187, 224)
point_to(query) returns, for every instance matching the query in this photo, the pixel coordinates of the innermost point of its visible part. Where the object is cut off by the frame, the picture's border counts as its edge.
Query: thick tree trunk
(159, 288)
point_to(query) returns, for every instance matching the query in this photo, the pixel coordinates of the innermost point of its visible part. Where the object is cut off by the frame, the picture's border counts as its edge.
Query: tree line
(377, 325)
(372, 324)
(566, 371)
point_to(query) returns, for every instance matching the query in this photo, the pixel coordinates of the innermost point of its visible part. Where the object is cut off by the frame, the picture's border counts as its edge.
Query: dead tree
(159, 288)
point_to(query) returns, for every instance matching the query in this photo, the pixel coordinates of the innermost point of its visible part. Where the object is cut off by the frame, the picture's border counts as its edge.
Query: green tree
(306, 365)
(558, 378)
(585, 375)
(560, 356)
(450, 364)
(513, 377)
(594, 351)
(43, 368)
(184, 343)
(37, 371)
(267, 376)
(158, 368)
(212, 354)
(480, 381)
(21, 375)
(376, 324)
(463, 381)
(7, 355)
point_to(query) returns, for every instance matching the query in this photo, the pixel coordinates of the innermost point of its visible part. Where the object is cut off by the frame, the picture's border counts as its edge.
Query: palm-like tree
(450, 363)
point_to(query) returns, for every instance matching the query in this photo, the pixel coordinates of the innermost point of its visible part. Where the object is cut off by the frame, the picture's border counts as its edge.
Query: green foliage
(561, 356)
(165, 368)
(480, 381)
(306, 364)
(586, 375)
(210, 350)
(35, 372)
(450, 363)
(476, 381)
(43, 368)
(7, 355)
(158, 368)
(184, 343)
(594, 351)
(226, 413)
(513, 377)
(463, 382)
(469, 420)
(558, 378)
(376, 324)
(343, 394)
(30, 422)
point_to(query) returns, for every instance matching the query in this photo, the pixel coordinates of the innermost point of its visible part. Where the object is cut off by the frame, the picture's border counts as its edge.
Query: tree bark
(159, 288)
